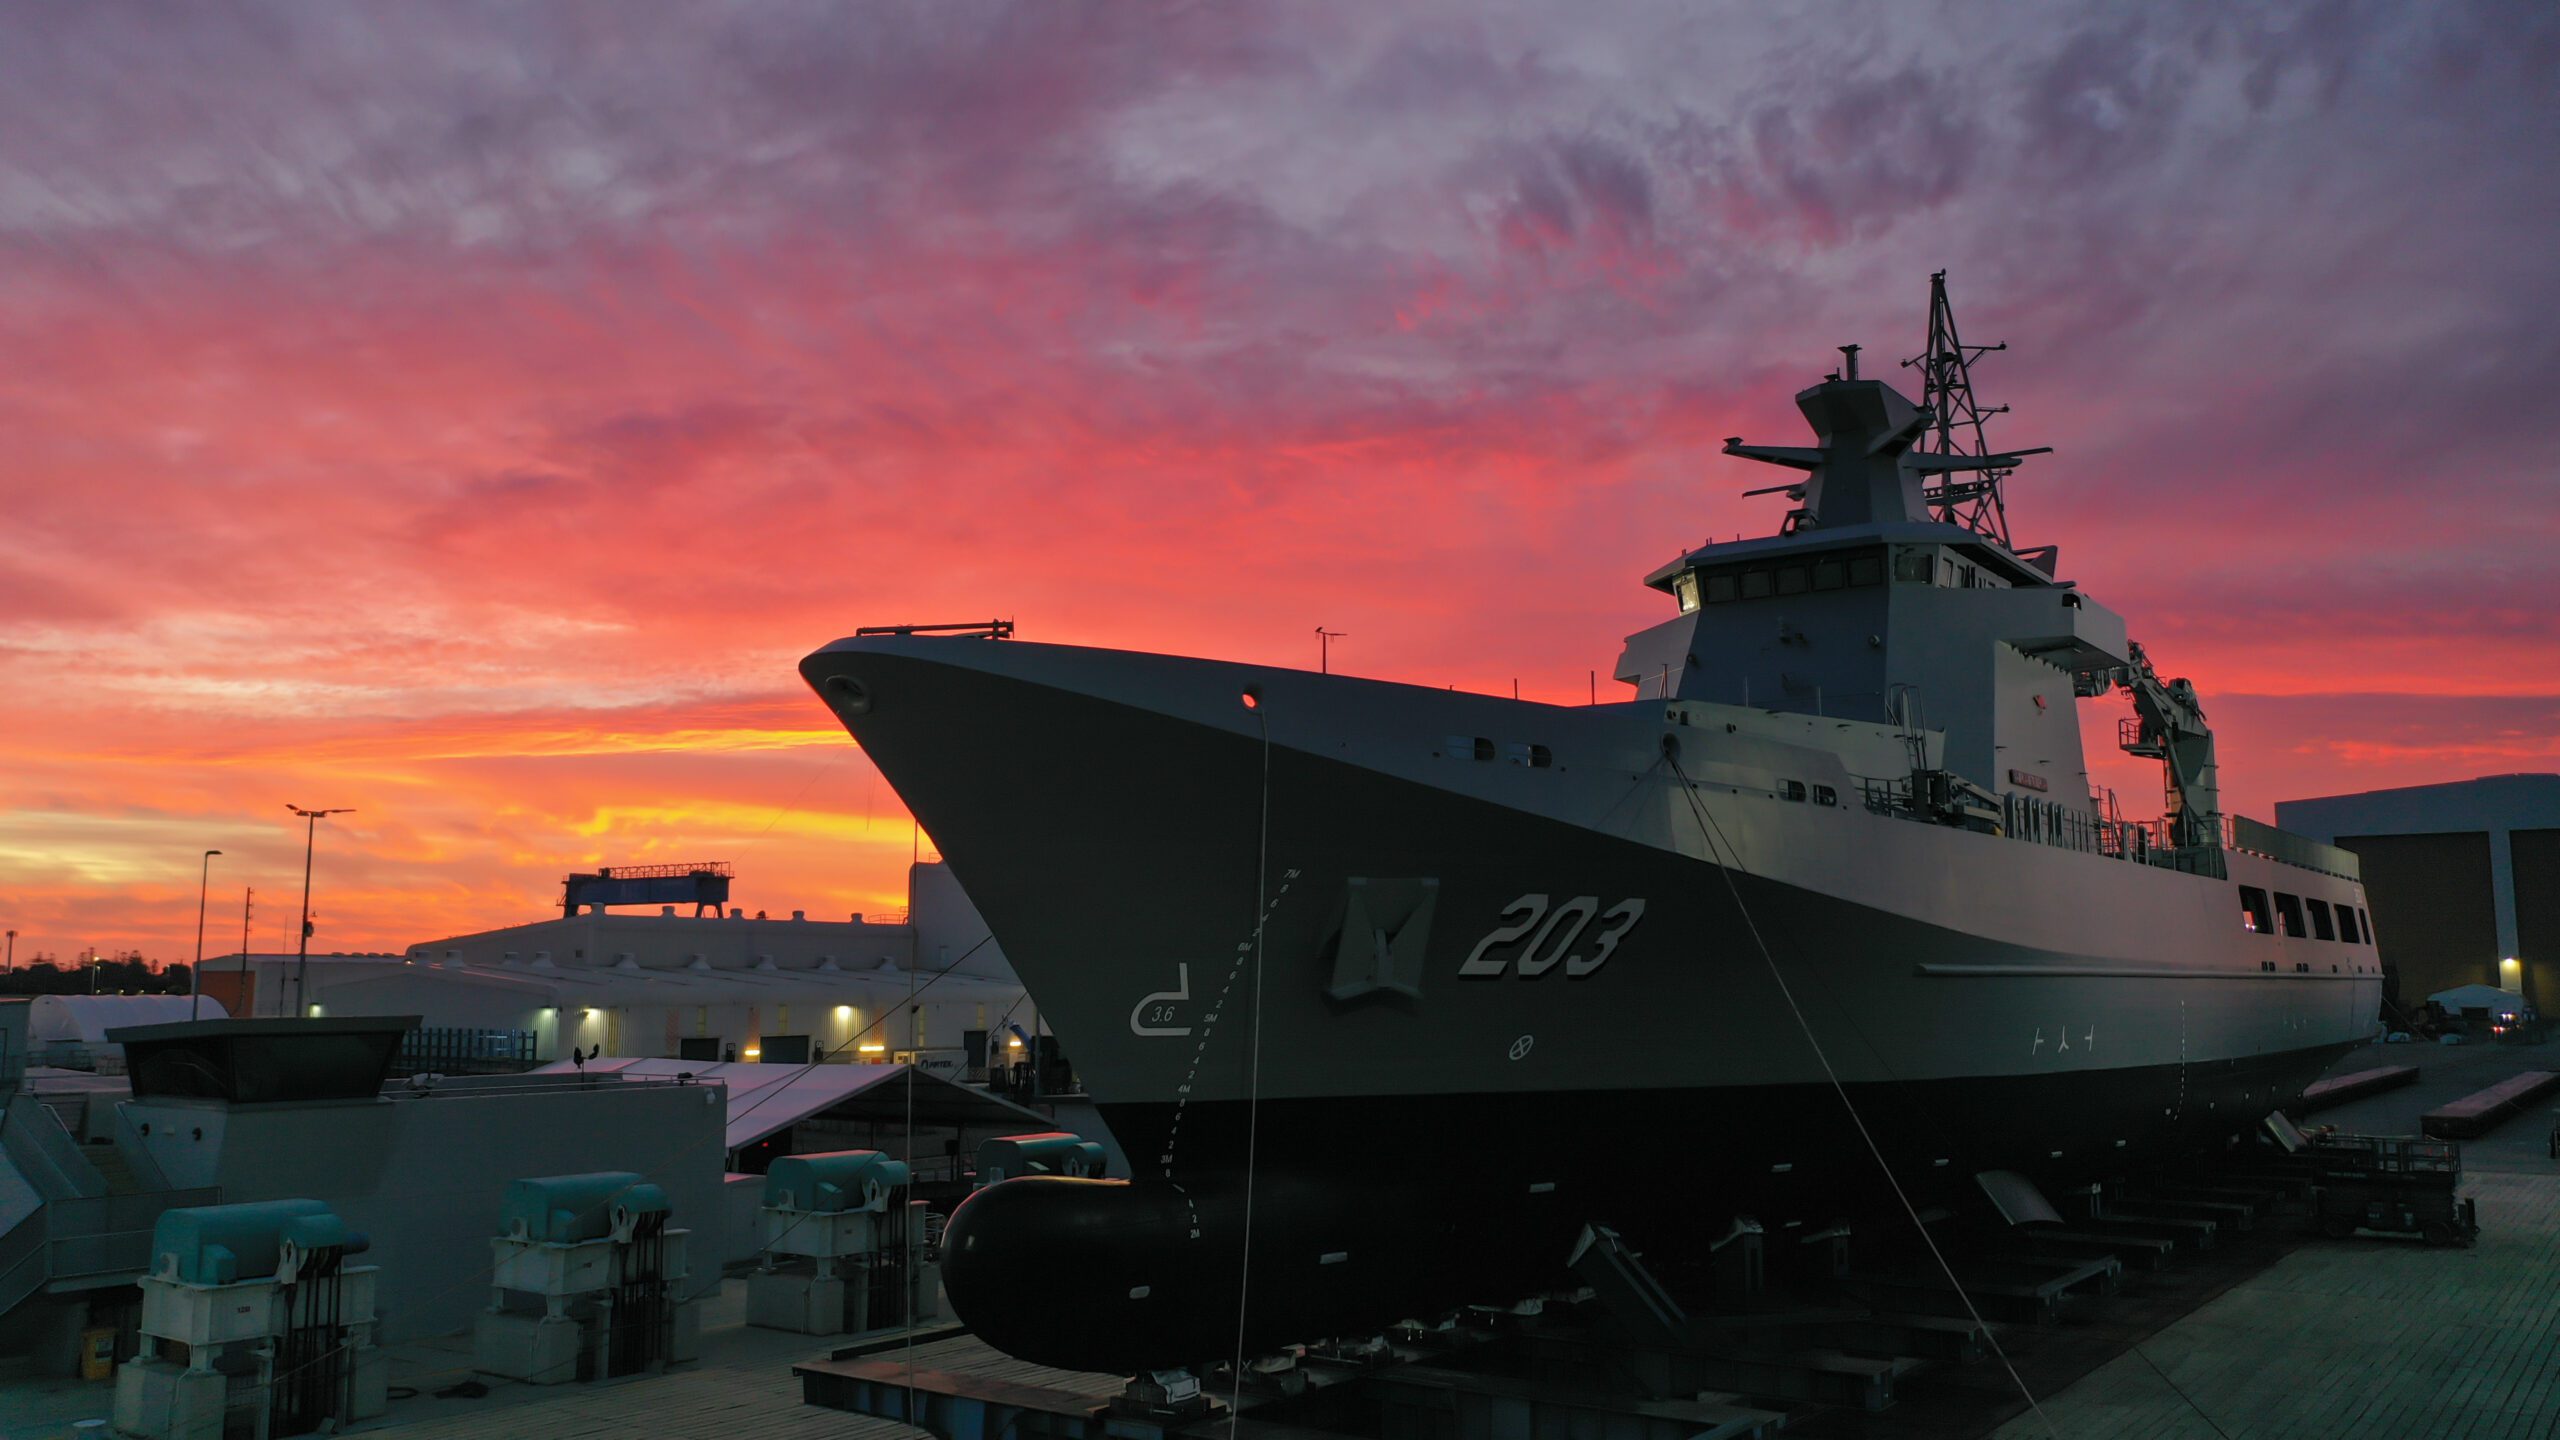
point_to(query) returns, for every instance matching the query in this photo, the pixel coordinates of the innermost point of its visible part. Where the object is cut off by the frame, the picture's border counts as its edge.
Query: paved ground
(2363, 1338)
(2341, 1340)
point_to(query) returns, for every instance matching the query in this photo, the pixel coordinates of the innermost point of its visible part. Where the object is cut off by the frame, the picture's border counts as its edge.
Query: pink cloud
(471, 415)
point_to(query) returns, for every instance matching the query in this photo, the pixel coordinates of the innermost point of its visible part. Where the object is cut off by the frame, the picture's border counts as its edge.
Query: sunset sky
(469, 415)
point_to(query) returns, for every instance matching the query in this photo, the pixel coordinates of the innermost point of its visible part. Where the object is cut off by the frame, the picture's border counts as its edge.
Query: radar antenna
(1955, 424)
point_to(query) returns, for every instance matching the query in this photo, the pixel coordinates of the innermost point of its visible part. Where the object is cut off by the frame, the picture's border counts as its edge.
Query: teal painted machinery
(590, 1281)
(572, 1209)
(253, 1322)
(845, 1249)
(834, 1181)
(1053, 1152)
(226, 1244)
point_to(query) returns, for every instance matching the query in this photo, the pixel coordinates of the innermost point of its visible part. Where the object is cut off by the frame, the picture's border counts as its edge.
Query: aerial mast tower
(1956, 422)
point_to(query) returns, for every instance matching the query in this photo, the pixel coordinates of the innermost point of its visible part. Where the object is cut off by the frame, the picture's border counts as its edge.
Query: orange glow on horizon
(477, 428)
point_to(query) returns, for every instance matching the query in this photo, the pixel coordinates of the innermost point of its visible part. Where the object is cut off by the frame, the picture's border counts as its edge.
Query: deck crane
(2168, 725)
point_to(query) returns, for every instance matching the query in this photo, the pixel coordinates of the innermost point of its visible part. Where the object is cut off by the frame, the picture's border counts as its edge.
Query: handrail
(110, 1234)
(464, 1087)
(22, 1260)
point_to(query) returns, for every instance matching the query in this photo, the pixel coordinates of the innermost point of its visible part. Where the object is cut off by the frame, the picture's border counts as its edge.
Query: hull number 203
(1554, 936)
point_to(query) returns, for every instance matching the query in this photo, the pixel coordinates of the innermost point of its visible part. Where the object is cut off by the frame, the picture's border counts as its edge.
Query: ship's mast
(1956, 422)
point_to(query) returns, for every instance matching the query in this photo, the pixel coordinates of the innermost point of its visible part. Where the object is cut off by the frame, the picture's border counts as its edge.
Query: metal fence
(459, 1050)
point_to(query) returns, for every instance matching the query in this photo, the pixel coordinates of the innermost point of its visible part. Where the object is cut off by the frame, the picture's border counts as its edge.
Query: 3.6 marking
(1553, 933)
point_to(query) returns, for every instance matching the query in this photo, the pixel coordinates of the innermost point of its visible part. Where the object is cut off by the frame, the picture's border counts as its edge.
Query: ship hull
(1318, 936)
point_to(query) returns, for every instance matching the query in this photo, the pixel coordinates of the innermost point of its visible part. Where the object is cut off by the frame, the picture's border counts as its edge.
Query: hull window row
(2302, 919)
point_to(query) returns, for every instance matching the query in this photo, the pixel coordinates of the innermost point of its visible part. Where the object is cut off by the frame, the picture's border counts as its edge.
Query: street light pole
(195, 972)
(302, 956)
(13, 951)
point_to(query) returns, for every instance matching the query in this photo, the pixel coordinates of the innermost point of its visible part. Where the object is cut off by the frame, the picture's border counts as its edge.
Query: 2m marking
(1553, 933)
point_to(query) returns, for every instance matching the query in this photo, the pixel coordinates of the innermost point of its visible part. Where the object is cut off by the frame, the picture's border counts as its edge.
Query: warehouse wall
(2434, 911)
(2537, 865)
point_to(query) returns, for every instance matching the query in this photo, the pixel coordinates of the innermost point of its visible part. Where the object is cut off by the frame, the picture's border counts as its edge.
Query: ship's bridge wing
(2012, 569)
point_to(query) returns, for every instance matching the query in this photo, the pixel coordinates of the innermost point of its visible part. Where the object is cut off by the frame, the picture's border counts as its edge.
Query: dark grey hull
(1633, 1056)
(1369, 1211)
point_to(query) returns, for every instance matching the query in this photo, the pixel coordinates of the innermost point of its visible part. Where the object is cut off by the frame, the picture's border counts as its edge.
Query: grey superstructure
(1354, 933)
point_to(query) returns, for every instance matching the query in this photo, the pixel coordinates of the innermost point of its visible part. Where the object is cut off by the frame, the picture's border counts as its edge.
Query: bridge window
(1866, 569)
(1755, 584)
(2347, 923)
(1720, 588)
(1914, 566)
(2289, 911)
(2254, 914)
(2320, 925)
(2364, 925)
(1830, 574)
(1686, 587)
(1791, 579)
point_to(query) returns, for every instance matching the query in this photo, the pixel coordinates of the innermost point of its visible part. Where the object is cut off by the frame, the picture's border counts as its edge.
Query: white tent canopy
(764, 1099)
(86, 1019)
(2479, 997)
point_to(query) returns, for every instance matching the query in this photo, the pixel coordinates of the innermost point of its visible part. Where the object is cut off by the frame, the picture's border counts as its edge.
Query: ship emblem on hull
(1386, 930)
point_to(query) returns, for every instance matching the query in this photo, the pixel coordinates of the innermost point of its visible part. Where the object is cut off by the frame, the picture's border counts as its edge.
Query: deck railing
(2039, 821)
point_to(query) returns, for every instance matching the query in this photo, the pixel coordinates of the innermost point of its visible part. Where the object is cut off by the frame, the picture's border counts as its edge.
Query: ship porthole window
(1791, 789)
(1825, 795)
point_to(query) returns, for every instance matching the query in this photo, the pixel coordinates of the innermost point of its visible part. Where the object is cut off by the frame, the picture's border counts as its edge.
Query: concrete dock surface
(2370, 1338)
(2280, 1336)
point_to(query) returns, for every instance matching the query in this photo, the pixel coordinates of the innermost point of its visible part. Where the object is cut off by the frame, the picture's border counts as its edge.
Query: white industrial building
(707, 988)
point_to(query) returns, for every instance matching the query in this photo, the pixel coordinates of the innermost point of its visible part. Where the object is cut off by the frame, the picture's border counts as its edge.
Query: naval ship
(1388, 990)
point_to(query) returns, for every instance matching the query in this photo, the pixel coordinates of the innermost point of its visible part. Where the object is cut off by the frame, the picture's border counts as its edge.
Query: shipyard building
(727, 984)
(2463, 880)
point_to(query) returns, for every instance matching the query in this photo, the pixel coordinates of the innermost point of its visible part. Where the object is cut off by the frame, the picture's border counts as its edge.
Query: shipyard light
(844, 1012)
(1013, 1042)
(753, 1051)
(873, 1048)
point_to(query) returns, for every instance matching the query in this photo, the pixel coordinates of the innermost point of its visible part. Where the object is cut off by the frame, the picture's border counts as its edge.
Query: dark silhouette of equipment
(704, 885)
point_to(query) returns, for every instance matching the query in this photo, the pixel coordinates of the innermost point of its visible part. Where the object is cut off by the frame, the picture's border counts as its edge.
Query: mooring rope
(1726, 859)
(1253, 1071)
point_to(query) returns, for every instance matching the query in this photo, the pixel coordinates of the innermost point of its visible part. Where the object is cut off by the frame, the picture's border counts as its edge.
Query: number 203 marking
(1557, 931)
